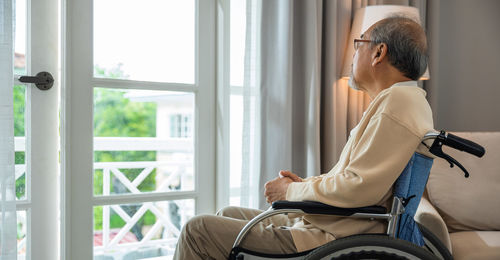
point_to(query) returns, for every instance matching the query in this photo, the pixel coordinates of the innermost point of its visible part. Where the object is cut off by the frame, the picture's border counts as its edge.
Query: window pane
(136, 149)
(20, 100)
(20, 140)
(139, 231)
(20, 173)
(21, 234)
(235, 143)
(20, 38)
(149, 40)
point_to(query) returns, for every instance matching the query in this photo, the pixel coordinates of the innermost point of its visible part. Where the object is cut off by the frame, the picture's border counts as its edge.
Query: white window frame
(77, 127)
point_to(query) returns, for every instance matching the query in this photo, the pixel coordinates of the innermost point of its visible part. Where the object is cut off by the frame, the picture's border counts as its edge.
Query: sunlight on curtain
(251, 113)
(8, 230)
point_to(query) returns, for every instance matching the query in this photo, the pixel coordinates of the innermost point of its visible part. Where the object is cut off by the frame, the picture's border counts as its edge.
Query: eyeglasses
(357, 41)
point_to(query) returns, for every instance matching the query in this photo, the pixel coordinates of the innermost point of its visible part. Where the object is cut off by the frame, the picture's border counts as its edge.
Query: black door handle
(43, 80)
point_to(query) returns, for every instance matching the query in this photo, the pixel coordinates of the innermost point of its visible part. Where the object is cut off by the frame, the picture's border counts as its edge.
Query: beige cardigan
(377, 151)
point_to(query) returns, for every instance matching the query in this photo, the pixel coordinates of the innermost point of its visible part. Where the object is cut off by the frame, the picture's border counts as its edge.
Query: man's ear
(379, 53)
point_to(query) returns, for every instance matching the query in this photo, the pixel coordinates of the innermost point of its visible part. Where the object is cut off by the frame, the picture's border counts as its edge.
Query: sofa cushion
(472, 203)
(477, 245)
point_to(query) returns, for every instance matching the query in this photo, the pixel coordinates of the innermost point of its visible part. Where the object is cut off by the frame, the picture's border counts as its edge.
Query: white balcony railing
(176, 169)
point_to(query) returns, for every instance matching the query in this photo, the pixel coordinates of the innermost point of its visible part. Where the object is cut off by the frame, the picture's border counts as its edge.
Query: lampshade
(366, 17)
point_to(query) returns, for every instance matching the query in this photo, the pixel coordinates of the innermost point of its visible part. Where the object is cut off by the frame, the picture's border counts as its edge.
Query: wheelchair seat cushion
(314, 207)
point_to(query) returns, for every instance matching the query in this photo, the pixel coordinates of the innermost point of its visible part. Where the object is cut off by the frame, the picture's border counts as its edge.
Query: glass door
(138, 125)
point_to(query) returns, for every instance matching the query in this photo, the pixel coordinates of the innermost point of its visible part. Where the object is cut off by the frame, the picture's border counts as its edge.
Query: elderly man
(390, 56)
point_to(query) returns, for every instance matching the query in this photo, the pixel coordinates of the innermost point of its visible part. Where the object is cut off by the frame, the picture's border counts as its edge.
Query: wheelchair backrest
(410, 186)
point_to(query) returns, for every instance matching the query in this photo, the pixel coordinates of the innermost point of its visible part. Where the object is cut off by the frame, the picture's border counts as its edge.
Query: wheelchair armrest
(314, 207)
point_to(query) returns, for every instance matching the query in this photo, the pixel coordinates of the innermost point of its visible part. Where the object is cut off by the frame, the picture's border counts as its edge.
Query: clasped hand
(276, 189)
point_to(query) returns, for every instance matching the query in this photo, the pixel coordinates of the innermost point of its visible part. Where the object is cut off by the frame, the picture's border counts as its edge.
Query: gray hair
(406, 44)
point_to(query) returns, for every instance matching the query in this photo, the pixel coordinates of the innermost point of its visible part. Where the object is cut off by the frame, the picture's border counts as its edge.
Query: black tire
(369, 246)
(434, 245)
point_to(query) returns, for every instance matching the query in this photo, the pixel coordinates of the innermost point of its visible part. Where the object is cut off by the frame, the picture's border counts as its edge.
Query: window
(180, 125)
(152, 94)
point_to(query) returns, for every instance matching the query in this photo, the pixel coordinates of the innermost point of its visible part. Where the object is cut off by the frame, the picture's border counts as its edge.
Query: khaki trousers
(212, 237)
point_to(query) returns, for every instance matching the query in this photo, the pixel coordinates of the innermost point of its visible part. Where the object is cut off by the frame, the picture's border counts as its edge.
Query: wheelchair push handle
(456, 142)
(465, 145)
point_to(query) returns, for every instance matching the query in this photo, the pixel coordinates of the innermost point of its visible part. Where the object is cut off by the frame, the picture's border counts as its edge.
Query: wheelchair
(404, 238)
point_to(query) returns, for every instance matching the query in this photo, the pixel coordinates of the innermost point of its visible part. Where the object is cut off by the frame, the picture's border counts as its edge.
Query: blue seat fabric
(412, 182)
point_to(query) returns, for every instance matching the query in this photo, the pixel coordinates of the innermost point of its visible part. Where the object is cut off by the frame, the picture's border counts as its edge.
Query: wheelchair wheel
(369, 246)
(434, 245)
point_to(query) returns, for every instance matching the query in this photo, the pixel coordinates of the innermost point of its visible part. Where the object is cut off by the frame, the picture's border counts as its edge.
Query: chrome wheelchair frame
(373, 246)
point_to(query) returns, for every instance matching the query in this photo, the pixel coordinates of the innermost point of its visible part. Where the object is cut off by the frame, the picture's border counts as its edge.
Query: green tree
(19, 108)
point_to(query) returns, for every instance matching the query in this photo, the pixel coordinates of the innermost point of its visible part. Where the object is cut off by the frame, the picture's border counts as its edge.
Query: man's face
(360, 63)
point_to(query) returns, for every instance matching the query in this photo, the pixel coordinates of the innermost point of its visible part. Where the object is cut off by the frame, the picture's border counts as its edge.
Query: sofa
(465, 213)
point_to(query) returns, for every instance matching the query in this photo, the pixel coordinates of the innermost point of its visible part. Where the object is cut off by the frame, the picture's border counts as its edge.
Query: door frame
(42, 132)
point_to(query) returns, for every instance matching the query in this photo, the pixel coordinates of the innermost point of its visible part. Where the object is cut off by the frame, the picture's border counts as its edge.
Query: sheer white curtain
(251, 116)
(238, 123)
(8, 229)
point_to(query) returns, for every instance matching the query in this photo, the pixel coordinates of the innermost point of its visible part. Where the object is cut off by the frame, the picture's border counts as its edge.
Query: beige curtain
(343, 107)
(289, 88)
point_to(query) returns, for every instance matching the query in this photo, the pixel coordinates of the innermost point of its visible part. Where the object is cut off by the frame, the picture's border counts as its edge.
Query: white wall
(464, 39)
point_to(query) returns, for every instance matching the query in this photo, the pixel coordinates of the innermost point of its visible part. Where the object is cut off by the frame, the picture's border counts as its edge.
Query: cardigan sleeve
(375, 163)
